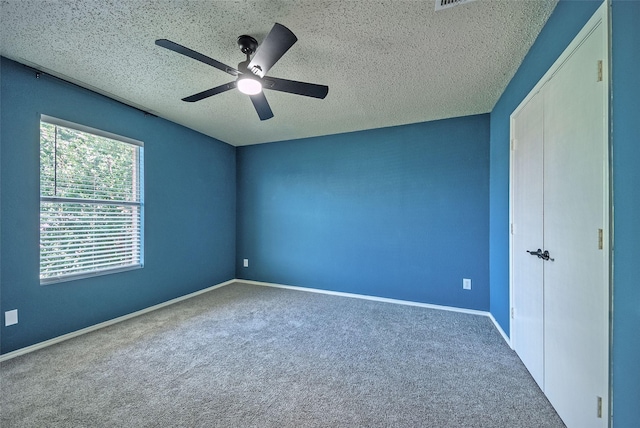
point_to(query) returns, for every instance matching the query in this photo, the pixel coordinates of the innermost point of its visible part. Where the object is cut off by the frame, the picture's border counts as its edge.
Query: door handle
(545, 256)
(538, 253)
(541, 255)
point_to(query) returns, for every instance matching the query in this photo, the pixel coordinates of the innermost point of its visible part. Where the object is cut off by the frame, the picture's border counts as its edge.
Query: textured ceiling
(386, 62)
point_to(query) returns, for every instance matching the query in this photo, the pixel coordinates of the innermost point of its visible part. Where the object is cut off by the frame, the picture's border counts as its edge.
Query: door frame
(600, 17)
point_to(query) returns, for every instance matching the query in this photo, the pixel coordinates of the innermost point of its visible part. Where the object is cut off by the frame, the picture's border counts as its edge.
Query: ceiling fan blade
(168, 44)
(293, 87)
(210, 92)
(277, 42)
(262, 106)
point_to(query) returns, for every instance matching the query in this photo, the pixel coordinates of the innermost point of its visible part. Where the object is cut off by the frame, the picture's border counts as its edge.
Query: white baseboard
(500, 330)
(40, 345)
(95, 327)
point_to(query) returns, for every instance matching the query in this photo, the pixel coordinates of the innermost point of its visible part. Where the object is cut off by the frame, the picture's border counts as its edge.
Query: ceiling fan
(250, 75)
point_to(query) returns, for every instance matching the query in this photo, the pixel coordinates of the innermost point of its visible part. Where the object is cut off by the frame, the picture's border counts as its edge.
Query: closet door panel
(575, 288)
(527, 235)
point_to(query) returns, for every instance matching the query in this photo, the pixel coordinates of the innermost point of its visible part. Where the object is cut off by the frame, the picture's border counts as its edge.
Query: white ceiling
(386, 62)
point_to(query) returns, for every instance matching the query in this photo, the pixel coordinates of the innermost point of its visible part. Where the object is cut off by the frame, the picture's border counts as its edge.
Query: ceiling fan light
(248, 85)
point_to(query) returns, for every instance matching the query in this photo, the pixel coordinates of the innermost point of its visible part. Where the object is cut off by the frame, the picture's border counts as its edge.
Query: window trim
(100, 133)
(82, 128)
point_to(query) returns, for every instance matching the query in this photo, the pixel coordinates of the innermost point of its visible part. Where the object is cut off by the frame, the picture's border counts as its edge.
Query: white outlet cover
(11, 317)
(245, 263)
(466, 284)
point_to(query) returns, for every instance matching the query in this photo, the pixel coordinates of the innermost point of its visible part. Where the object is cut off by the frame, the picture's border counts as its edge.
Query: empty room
(292, 213)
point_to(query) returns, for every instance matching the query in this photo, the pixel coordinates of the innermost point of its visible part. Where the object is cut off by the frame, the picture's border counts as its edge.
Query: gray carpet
(250, 356)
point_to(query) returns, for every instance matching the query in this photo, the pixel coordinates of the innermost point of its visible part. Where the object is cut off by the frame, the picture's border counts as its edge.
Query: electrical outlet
(466, 284)
(245, 263)
(11, 317)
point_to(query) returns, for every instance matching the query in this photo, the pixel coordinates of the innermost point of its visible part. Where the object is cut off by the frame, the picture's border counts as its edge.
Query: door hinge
(512, 313)
(599, 407)
(600, 70)
(513, 144)
(600, 240)
(511, 228)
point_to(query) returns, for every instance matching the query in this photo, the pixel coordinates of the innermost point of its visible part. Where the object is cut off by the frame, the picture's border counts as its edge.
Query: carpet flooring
(252, 356)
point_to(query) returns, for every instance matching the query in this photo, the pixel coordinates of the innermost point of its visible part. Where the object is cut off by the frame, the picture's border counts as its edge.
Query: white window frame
(140, 203)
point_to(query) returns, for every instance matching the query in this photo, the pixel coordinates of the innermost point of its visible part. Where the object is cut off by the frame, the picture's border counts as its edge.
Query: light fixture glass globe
(248, 85)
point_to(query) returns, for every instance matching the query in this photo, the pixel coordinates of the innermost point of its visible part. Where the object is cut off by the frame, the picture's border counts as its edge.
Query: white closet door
(527, 234)
(576, 300)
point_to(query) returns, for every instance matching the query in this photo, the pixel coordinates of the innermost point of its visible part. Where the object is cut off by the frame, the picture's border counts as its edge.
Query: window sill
(83, 275)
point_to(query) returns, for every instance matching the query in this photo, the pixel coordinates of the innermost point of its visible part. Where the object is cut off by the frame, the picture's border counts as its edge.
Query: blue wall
(565, 22)
(400, 212)
(626, 195)
(189, 211)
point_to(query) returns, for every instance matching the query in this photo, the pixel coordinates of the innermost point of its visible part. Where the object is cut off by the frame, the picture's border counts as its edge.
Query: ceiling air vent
(446, 4)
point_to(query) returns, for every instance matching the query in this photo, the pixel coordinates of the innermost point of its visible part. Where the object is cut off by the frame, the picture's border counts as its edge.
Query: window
(91, 200)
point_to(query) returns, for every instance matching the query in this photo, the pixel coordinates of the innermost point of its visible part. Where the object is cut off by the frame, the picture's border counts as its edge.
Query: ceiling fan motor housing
(248, 44)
